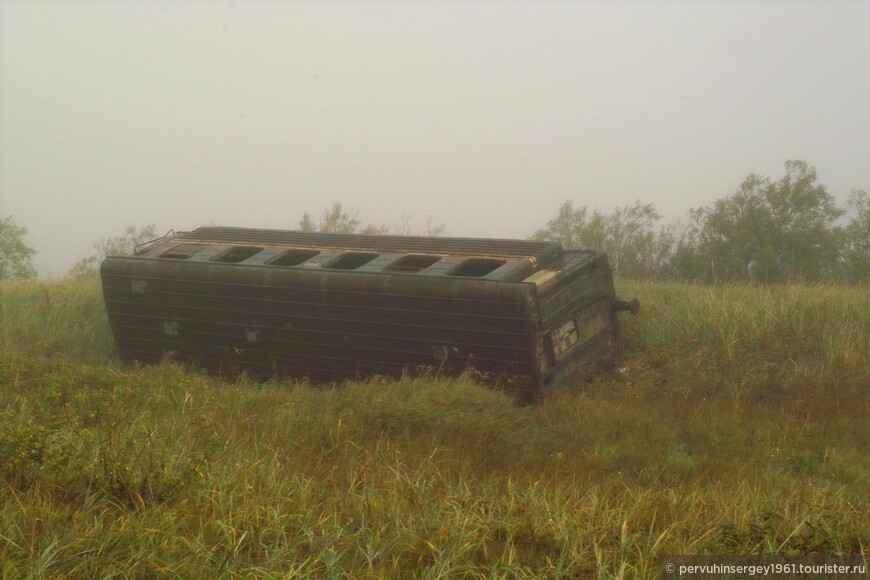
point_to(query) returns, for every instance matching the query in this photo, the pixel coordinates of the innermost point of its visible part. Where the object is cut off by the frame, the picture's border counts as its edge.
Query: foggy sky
(483, 115)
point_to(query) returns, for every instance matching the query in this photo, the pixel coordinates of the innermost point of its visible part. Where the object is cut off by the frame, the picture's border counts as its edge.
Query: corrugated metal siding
(581, 289)
(592, 356)
(314, 323)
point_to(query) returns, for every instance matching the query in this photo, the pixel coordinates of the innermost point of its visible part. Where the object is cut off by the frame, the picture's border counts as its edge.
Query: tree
(856, 253)
(405, 227)
(123, 245)
(767, 231)
(340, 221)
(628, 235)
(15, 255)
(336, 220)
(687, 261)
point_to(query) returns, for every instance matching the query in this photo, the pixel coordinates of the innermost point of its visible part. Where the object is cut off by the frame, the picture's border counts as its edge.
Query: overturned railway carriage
(335, 306)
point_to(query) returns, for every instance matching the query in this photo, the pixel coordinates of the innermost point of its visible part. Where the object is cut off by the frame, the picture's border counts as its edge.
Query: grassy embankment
(736, 423)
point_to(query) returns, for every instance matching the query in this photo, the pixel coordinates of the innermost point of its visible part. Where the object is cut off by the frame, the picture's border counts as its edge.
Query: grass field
(738, 422)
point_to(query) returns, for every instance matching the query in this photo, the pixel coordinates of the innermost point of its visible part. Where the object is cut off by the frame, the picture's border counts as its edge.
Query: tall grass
(737, 422)
(826, 327)
(61, 318)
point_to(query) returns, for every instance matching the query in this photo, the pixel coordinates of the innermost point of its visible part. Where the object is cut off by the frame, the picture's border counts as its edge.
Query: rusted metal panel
(334, 306)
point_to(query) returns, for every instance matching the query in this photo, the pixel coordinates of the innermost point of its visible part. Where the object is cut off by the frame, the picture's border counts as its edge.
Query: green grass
(63, 319)
(736, 423)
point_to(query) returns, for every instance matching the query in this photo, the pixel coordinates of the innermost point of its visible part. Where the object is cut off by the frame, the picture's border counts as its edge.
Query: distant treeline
(768, 231)
(783, 231)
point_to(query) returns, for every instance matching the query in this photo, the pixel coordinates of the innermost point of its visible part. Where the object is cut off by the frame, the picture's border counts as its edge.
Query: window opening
(350, 261)
(181, 252)
(476, 267)
(237, 254)
(293, 257)
(412, 263)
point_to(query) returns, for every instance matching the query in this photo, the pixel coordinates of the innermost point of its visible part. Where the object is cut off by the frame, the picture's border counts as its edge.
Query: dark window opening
(350, 261)
(293, 257)
(412, 263)
(181, 252)
(237, 254)
(476, 267)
